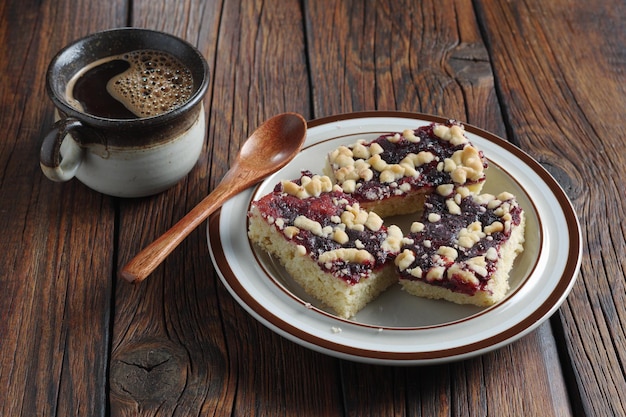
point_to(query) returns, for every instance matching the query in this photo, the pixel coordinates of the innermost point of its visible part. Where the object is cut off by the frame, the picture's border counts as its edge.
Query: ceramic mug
(139, 153)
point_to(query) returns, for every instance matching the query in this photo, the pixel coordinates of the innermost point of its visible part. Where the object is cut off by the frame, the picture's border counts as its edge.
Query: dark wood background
(76, 340)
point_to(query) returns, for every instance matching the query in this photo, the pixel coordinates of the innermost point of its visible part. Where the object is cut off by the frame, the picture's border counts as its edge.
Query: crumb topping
(459, 244)
(397, 163)
(330, 226)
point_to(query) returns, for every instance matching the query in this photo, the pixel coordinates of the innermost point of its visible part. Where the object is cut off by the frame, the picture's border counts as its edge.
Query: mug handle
(59, 158)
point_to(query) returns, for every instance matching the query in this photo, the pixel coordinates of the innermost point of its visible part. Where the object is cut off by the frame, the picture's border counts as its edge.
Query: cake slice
(392, 174)
(339, 253)
(463, 248)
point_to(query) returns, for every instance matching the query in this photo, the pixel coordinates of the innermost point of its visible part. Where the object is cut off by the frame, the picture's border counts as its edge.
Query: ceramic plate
(398, 328)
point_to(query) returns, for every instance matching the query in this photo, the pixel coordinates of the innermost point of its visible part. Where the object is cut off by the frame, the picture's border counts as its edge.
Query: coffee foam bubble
(155, 83)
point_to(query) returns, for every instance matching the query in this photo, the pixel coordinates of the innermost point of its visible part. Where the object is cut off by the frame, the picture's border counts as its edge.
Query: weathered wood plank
(56, 298)
(427, 57)
(560, 70)
(168, 353)
(229, 363)
(546, 75)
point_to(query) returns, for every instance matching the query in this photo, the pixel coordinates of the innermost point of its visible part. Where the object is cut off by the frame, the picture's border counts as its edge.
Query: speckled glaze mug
(124, 156)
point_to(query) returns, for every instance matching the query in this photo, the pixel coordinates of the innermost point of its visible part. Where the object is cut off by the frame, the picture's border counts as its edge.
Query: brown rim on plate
(520, 328)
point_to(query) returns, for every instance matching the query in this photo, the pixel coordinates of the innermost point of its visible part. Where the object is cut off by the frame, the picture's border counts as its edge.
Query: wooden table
(77, 340)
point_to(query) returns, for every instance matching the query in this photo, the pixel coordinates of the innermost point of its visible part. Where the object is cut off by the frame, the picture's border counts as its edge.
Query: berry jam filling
(445, 231)
(395, 151)
(322, 209)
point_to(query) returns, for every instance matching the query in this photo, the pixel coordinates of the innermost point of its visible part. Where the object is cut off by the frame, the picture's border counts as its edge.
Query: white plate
(398, 328)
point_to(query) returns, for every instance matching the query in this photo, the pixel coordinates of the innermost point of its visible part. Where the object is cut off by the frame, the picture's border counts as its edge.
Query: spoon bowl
(270, 147)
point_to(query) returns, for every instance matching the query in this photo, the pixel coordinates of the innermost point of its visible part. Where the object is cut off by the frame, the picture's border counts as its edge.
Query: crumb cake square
(392, 174)
(463, 248)
(339, 253)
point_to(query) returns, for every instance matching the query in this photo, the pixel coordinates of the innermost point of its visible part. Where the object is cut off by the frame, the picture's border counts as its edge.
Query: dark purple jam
(394, 152)
(321, 209)
(444, 233)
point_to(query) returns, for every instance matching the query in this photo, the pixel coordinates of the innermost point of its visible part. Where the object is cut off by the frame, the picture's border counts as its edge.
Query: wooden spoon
(271, 147)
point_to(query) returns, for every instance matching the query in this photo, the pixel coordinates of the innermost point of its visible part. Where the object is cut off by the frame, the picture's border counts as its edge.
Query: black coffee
(137, 84)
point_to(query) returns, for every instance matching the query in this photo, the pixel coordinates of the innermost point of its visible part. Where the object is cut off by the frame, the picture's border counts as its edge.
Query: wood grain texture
(77, 340)
(429, 59)
(168, 352)
(56, 297)
(561, 73)
(251, 80)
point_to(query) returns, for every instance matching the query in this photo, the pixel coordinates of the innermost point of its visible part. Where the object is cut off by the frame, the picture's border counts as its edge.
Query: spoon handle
(152, 255)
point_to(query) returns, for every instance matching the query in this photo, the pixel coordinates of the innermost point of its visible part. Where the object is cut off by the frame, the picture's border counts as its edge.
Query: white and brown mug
(129, 109)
